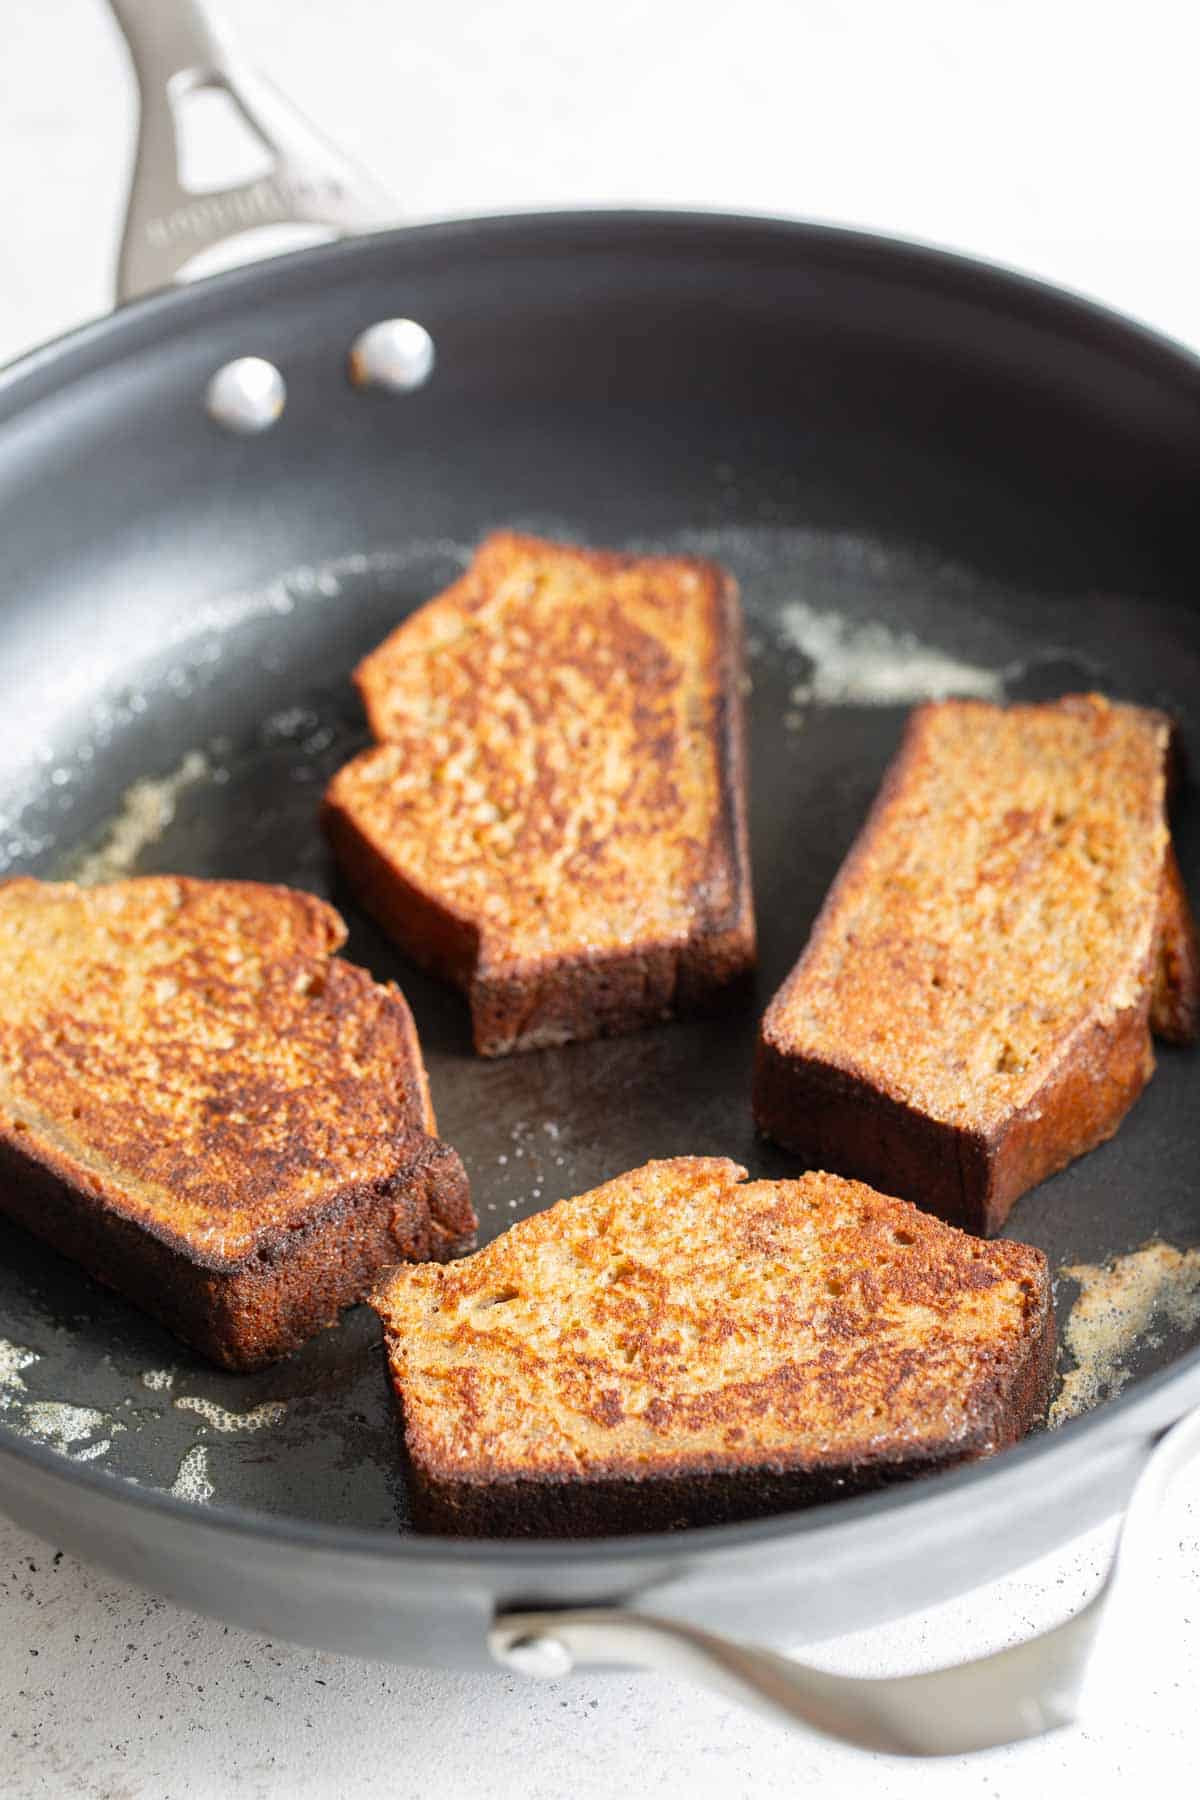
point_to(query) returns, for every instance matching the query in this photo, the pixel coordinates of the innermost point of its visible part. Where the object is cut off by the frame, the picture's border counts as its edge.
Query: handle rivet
(246, 395)
(396, 354)
(547, 1657)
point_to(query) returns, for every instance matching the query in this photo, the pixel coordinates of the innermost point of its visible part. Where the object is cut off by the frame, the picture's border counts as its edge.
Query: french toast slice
(682, 1347)
(555, 817)
(975, 1005)
(210, 1112)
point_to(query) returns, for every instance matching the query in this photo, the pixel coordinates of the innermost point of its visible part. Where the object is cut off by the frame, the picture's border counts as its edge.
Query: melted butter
(1119, 1303)
(146, 810)
(269, 1412)
(13, 1358)
(192, 1481)
(870, 665)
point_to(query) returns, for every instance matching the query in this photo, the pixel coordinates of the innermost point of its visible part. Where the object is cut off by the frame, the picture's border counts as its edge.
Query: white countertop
(1058, 139)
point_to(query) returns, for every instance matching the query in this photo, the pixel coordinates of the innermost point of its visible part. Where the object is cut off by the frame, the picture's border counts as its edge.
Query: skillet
(928, 476)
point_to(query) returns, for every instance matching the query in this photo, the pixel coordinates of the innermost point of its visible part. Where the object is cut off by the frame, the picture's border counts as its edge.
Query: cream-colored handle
(999, 1699)
(177, 50)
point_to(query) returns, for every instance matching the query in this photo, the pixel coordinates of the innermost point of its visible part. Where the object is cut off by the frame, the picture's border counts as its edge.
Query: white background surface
(1061, 138)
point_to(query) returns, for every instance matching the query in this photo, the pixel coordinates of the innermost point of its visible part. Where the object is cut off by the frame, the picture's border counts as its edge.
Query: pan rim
(50, 367)
(978, 277)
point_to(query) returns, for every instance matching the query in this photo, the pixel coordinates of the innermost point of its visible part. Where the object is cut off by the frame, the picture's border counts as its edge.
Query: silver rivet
(544, 1656)
(246, 395)
(396, 354)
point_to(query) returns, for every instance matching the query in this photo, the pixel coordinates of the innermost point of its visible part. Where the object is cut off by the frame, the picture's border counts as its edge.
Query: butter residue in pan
(63, 1425)
(868, 664)
(192, 1480)
(13, 1358)
(57, 1423)
(146, 810)
(268, 1412)
(1119, 1304)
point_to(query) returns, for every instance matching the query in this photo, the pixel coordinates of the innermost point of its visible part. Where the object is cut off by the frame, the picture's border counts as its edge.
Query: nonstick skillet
(929, 476)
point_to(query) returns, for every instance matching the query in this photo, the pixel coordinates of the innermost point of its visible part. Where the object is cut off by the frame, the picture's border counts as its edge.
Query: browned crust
(565, 999)
(505, 543)
(727, 947)
(1005, 1404)
(801, 1427)
(263, 1278)
(245, 1313)
(835, 1118)
(435, 937)
(586, 995)
(1175, 1003)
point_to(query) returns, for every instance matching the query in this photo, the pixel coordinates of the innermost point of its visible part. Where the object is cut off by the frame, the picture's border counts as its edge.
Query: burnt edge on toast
(836, 1119)
(572, 998)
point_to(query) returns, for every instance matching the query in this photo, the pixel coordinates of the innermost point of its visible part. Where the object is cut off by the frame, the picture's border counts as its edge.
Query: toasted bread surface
(201, 1104)
(681, 1346)
(973, 1006)
(555, 817)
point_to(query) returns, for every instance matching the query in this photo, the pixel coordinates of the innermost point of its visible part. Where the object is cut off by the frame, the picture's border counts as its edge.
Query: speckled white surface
(111, 1695)
(1060, 139)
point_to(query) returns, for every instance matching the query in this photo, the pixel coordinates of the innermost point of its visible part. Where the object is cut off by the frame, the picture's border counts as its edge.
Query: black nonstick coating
(926, 480)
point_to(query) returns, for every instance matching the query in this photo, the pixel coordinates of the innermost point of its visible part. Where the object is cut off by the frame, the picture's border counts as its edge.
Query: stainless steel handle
(176, 50)
(1032, 1688)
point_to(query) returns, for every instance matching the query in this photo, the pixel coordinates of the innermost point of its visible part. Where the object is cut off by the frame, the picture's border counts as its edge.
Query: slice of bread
(680, 1347)
(975, 1004)
(210, 1114)
(555, 819)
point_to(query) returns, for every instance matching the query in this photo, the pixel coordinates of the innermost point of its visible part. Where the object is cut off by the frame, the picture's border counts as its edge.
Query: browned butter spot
(1119, 1303)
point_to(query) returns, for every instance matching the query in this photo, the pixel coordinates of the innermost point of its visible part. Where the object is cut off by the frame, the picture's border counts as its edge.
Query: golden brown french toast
(211, 1113)
(681, 1346)
(974, 1008)
(554, 818)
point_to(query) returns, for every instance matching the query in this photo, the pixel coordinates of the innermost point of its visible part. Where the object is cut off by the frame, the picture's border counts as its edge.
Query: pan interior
(243, 725)
(236, 698)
